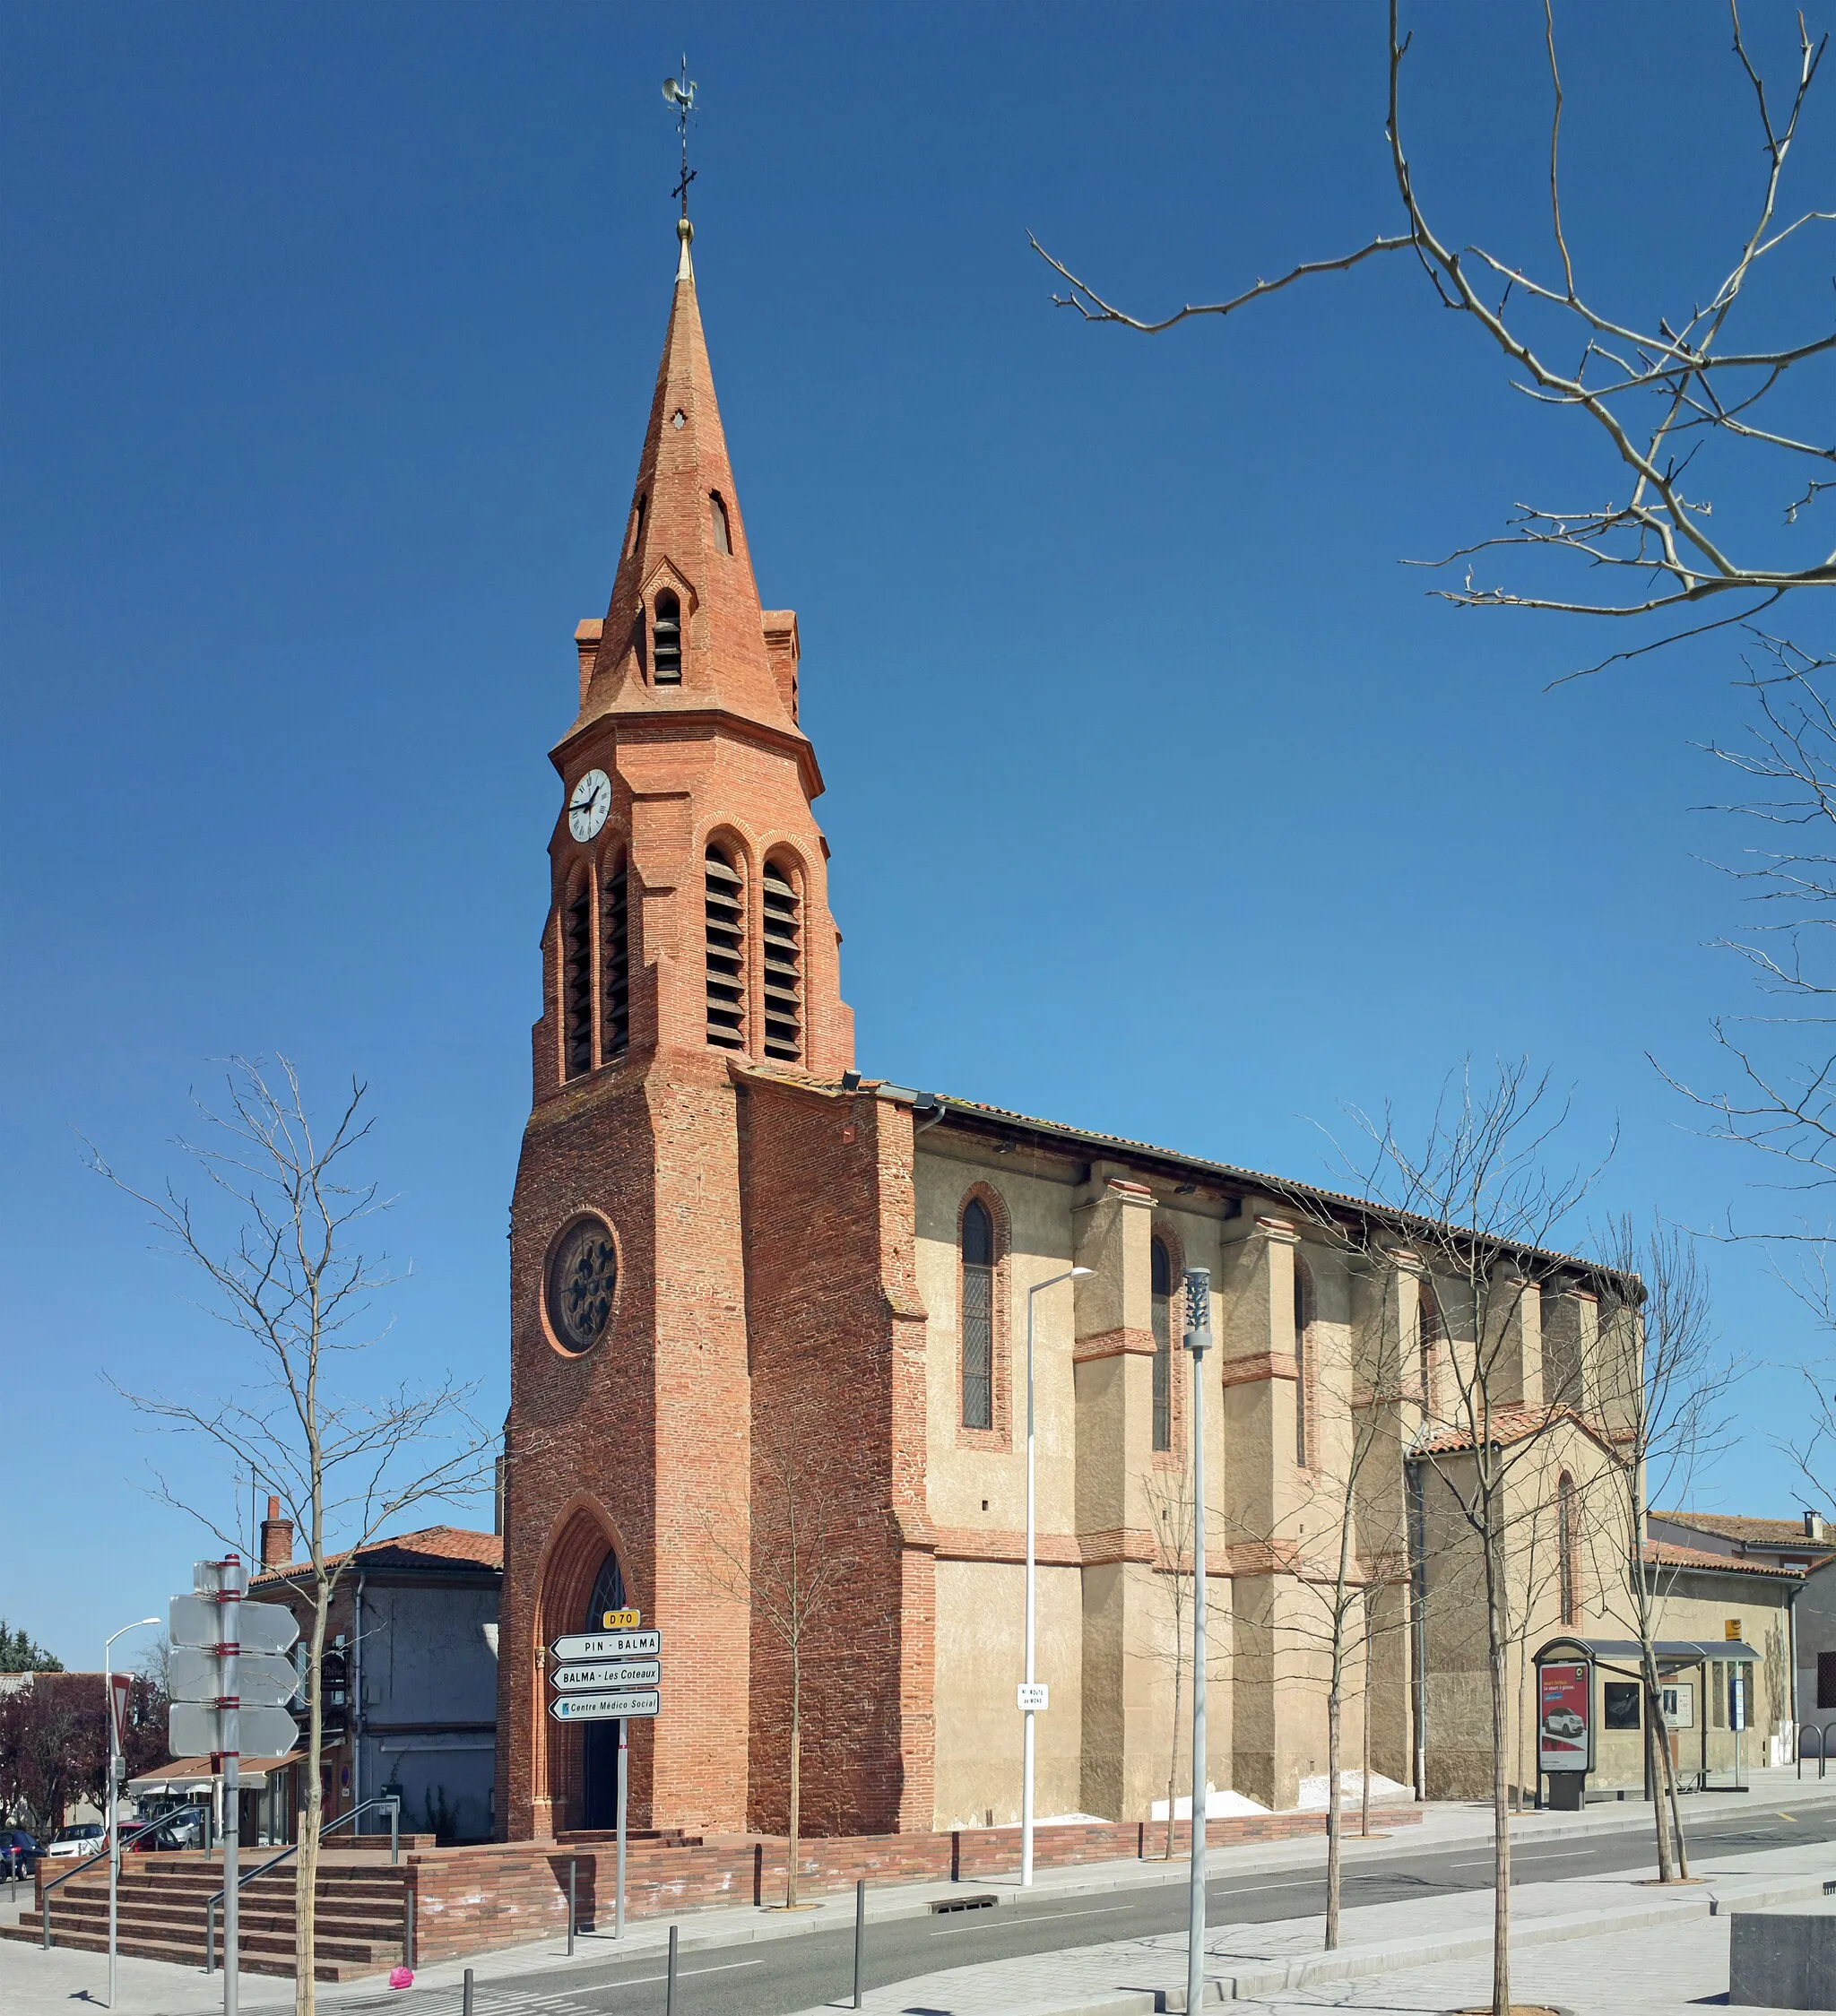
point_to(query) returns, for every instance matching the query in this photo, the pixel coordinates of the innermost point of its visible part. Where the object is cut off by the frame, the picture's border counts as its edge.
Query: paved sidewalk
(33, 1983)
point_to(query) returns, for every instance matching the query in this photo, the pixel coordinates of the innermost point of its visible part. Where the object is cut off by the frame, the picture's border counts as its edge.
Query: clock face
(588, 806)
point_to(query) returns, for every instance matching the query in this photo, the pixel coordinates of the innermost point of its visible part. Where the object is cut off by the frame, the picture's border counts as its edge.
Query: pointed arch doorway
(575, 1779)
(599, 1741)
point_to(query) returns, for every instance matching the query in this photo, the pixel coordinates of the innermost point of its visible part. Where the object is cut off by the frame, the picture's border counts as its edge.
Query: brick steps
(359, 1924)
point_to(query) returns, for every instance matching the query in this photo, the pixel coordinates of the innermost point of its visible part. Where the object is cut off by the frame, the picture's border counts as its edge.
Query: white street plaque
(1034, 1695)
(626, 1707)
(624, 1672)
(263, 1679)
(607, 1645)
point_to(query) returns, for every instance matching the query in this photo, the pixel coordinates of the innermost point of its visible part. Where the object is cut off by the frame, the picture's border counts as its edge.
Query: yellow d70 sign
(621, 1620)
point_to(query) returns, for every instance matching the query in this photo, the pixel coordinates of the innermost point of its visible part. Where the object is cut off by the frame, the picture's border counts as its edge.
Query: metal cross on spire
(679, 92)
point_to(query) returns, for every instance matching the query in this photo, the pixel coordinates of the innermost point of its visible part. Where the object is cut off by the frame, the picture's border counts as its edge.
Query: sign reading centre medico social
(628, 1706)
(1565, 1716)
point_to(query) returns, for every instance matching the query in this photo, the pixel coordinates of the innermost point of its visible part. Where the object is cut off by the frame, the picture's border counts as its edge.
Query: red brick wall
(826, 1408)
(471, 1899)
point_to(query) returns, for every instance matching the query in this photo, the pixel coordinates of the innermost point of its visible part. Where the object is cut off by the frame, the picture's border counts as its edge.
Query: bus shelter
(1569, 1711)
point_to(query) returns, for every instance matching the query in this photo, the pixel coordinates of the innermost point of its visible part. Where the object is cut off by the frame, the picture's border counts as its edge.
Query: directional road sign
(602, 1673)
(605, 1645)
(260, 1627)
(194, 1730)
(629, 1706)
(263, 1679)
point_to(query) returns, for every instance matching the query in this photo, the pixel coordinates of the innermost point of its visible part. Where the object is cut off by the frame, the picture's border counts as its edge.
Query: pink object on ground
(402, 1977)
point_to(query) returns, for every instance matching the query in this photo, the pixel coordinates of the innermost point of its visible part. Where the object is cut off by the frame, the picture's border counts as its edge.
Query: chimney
(277, 1536)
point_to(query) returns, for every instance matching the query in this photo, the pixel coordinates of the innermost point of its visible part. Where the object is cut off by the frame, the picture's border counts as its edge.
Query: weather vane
(680, 93)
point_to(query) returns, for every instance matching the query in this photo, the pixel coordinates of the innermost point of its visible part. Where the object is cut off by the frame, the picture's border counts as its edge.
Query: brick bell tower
(689, 943)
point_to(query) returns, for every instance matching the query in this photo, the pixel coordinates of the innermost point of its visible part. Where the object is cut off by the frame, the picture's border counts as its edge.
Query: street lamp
(1198, 1342)
(140, 1623)
(1038, 1287)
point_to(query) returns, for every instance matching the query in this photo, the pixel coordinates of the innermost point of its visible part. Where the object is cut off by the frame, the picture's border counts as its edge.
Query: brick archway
(576, 1552)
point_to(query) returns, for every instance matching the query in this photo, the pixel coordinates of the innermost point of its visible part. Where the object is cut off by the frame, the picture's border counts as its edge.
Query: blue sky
(1161, 799)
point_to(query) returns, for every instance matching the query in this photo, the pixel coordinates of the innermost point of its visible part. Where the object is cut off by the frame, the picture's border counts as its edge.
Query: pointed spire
(684, 536)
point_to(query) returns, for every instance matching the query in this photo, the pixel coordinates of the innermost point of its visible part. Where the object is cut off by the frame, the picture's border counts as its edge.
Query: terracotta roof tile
(1667, 1553)
(1738, 1526)
(407, 1550)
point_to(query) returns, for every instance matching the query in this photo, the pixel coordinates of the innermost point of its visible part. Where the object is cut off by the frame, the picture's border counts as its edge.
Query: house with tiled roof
(410, 1679)
(1796, 1542)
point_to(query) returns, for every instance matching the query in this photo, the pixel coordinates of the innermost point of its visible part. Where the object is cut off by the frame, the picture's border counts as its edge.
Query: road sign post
(228, 1687)
(614, 1674)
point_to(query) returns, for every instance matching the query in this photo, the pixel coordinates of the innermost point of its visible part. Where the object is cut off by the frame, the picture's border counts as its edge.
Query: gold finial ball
(684, 230)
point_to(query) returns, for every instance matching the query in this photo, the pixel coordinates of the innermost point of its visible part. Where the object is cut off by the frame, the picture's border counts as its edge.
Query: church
(769, 1315)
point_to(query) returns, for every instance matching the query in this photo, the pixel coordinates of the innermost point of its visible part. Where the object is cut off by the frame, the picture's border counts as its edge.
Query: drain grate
(984, 1902)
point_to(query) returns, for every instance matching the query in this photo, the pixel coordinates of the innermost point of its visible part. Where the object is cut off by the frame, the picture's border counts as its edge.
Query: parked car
(19, 1855)
(162, 1838)
(89, 1837)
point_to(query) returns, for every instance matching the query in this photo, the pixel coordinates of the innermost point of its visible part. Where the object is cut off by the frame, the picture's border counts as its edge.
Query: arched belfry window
(1568, 1550)
(615, 951)
(726, 952)
(1161, 1284)
(1303, 1365)
(576, 977)
(782, 917)
(978, 1315)
(666, 639)
(717, 518)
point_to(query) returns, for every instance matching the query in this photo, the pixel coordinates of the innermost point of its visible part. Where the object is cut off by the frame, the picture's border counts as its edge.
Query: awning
(189, 1775)
(1670, 1651)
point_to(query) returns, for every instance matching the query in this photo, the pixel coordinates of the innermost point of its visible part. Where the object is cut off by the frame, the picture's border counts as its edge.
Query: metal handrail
(286, 1854)
(76, 1869)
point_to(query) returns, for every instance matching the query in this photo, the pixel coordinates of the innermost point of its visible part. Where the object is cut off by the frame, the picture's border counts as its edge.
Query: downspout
(1791, 1639)
(1418, 1632)
(931, 1107)
(355, 1706)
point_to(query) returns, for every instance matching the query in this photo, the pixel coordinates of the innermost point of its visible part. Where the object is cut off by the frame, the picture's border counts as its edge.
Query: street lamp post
(140, 1623)
(1038, 1287)
(1197, 1340)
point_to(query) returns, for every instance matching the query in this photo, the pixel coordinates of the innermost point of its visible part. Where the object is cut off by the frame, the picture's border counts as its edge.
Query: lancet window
(782, 922)
(615, 948)
(666, 639)
(978, 1315)
(576, 977)
(1161, 1284)
(1304, 1367)
(717, 518)
(726, 952)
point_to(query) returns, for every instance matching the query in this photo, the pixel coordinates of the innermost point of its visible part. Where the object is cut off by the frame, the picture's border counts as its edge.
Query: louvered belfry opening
(726, 953)
(576, 977)
(784, 964)
(666, 640)
(615, 982)
(1160, 1312)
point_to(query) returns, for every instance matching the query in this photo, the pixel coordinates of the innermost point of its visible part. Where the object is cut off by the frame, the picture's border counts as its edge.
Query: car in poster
(1564, 1722)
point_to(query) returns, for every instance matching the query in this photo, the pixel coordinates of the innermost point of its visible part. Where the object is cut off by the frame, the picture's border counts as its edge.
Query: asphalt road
(800, 1971)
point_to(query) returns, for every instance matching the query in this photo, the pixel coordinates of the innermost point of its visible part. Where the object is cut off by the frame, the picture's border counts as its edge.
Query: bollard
(670, 1992)
(573, 1870)
(860, 1931)
(465, 1995)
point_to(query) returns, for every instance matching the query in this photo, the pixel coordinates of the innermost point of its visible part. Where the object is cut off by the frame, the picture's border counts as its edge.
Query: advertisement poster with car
(1565, 1724)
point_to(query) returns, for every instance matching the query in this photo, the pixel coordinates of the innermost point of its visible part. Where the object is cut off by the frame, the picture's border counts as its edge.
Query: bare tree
(1486, 1211)
(1668, 1406)
(1169, 1493)
(1658, 389)
(1336, 1567)
(275, 1243)
(788, 1569)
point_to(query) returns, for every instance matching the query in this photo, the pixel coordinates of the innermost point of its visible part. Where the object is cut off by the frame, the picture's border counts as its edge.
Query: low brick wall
(468, 1899)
